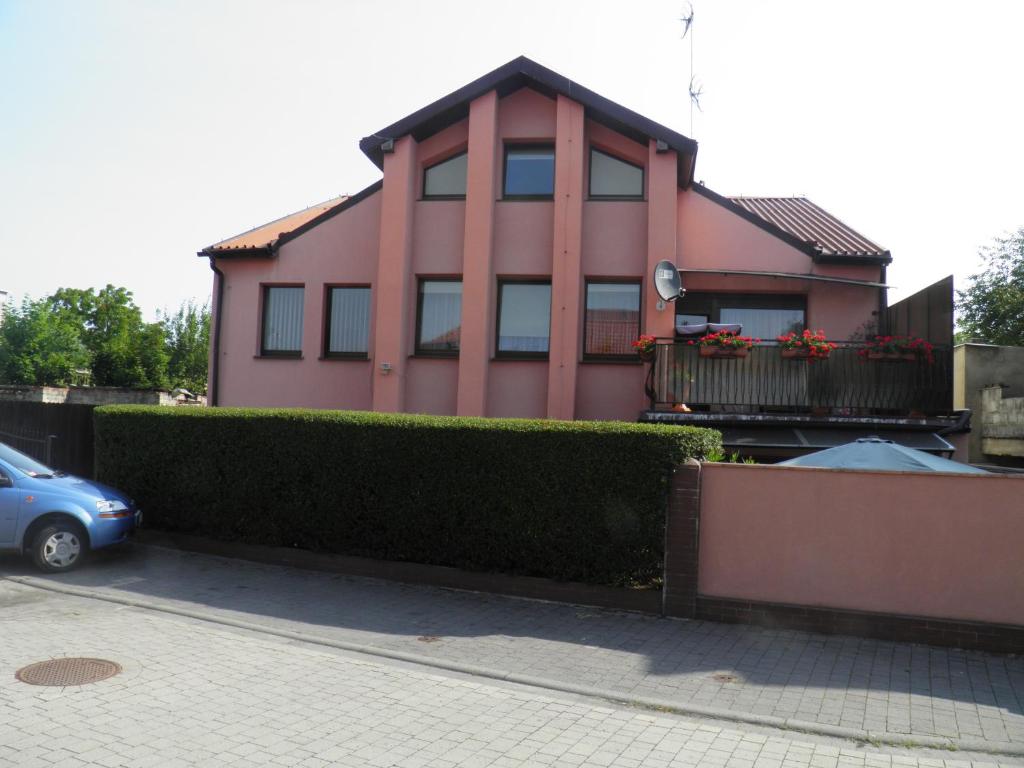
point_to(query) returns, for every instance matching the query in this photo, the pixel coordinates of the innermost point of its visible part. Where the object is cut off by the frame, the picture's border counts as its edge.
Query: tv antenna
(696, 89)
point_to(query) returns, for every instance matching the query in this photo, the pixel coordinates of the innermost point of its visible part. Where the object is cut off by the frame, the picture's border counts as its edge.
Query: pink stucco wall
(341, 250)
(934, 545)
(713, 237)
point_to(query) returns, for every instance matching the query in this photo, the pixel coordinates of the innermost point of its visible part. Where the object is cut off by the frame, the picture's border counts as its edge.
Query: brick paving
(831, 680)
(195, 694)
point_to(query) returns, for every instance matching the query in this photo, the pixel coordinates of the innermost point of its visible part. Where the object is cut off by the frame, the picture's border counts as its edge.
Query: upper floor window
(348, 321)
(615, 179)
(763, 316)
(612, 319)
(439, 317)
(530, 171)
(281, 333)
(524, 318)
(446, 179)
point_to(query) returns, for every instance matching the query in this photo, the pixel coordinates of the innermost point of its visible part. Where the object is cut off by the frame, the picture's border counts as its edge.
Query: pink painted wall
(432, 386)
(341, 250)
(934, 545)
(437, 237)
(610, 391)
(518, 389)
(712, 237)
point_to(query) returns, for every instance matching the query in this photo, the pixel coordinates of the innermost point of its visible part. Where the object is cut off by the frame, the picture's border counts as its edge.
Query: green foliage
(45, 341)
(126, 352)
(718, 455)
(38, 346)
(568, 500)
(992, 307)
(188, 342)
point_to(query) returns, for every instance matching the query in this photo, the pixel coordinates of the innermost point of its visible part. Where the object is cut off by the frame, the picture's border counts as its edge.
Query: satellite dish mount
(667, 282)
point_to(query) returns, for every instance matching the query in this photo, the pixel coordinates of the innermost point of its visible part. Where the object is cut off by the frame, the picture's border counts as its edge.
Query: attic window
(447, 179)
(530, 172)
(614, 179)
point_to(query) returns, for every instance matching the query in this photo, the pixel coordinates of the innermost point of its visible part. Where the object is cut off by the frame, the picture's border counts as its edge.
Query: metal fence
(844, 384)
(59, 435)
(33, 444)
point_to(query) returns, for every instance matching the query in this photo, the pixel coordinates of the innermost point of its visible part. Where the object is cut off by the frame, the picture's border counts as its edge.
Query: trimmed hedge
(582, 501)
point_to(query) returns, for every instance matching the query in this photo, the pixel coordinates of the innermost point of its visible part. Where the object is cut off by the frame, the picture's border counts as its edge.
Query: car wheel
(59, 547)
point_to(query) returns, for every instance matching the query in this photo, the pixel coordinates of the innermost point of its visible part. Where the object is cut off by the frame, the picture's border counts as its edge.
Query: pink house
(503, 265)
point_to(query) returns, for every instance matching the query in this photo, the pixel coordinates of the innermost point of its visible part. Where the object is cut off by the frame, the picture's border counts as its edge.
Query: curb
(1009, 749)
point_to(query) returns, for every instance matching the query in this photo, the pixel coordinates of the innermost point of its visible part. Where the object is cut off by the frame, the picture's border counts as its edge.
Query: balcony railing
(845, 384)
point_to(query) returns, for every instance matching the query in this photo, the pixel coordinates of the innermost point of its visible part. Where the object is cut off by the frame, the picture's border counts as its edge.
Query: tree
(38, 346)
(992, 307)
(125, 350)
(188, 344)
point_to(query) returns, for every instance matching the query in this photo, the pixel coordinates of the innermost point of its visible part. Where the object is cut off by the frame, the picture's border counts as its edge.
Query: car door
(9, 502)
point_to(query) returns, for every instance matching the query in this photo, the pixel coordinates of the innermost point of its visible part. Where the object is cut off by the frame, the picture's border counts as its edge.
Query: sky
(134, 133)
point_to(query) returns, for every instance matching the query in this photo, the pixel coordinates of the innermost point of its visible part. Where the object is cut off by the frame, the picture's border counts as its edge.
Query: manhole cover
(724, 677)
(69, 671)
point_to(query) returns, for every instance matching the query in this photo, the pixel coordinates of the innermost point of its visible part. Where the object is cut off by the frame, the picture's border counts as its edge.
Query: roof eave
(517, 74)
(884, 257)
(247, 252)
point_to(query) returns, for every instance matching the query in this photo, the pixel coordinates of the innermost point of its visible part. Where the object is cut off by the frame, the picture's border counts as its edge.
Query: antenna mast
(696, 90)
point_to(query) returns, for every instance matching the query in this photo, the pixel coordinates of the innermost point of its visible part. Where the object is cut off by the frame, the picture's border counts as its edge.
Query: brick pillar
(682, 540)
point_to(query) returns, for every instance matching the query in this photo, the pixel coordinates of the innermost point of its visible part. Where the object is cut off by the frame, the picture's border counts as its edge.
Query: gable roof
(265, 239)
(805, 226)
(523, 72)
(265, 236)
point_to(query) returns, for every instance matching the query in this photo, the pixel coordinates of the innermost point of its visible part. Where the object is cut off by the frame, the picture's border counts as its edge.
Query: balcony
(764, 390)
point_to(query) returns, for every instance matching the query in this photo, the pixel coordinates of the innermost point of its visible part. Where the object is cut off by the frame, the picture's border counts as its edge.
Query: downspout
(215, 341)
(883, 305)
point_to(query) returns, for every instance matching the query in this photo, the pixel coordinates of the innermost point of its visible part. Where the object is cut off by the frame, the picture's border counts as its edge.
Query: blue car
(57, 518)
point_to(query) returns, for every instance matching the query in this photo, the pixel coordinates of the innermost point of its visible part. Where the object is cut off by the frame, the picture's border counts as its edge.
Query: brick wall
(679, 590)
(1002, 423)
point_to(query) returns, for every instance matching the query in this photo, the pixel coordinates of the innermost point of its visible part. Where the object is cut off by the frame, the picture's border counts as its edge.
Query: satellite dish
(666, 281)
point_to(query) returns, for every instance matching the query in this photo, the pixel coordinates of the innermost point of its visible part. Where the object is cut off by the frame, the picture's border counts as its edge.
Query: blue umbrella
(878, 454)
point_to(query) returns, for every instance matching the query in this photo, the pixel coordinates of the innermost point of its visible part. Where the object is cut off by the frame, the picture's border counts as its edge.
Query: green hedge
(569, 500)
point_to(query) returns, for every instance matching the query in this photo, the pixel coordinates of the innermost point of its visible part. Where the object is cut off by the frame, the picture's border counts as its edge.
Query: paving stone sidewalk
(831, 680)
(194, 694)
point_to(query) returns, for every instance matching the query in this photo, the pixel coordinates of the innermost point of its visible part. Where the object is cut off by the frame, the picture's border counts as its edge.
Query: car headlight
(110, 505)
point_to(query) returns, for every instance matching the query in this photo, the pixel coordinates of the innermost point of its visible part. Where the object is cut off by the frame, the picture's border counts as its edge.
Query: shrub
(568, 500)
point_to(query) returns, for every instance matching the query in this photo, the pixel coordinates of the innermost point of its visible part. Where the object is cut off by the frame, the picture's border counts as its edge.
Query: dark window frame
(423, 188)
(287, 354)
(710, 303)
(325, 353)
(442, 353)
(587, 282)
(620, 198)
(512, 354)
(504, 169)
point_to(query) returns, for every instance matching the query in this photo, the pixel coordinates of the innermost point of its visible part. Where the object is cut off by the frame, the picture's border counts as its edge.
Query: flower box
(894, 357)
(804, 353)
(710, 351)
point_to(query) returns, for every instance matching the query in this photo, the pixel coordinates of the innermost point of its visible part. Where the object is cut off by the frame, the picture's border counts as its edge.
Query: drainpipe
(883, 305)
(211, 388)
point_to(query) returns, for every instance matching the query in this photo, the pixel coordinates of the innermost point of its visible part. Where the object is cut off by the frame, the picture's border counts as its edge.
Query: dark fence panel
(28, 427)
(846, 383)
(927, 313)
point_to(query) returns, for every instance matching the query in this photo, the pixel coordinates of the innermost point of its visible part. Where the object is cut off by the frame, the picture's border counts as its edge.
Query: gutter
(211, 387)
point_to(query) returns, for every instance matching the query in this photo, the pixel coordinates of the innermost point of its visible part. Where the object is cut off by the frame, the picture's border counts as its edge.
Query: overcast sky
(134, 133)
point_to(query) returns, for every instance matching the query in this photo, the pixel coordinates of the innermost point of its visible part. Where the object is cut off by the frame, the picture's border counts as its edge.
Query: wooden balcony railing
(845, 384)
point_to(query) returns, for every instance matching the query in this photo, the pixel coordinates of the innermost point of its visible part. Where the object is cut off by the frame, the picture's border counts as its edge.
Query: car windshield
(24, 463)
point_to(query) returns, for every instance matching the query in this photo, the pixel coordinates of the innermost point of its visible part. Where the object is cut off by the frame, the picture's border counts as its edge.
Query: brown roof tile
(264, 236)
(802, 219)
